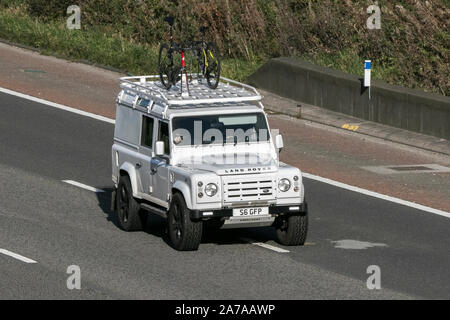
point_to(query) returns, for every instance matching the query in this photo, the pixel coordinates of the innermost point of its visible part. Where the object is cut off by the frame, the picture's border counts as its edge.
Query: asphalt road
(58, 225)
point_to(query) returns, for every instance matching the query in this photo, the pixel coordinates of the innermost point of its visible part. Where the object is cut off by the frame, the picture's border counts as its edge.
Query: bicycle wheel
(212, 65)
(200, 63)
(165, 66)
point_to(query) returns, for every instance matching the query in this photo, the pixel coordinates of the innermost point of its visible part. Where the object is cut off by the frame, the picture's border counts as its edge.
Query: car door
(145, 153)
(160, 173)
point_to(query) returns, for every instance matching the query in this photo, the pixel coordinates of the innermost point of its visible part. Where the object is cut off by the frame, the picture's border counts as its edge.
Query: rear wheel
(131, 217)
(200, 63)
(184, 234)
(165, 66)
(212, 65)
(291, 230)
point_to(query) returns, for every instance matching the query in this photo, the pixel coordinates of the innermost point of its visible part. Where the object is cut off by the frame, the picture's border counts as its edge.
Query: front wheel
(212, 65)
(131, 216)
(165, 66)
(291, 230)
(184, 234)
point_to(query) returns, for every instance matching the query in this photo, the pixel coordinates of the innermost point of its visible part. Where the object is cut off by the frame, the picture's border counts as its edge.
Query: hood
(232, 164)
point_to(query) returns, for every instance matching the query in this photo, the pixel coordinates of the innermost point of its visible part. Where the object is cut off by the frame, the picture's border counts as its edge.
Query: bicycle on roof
(206, 54)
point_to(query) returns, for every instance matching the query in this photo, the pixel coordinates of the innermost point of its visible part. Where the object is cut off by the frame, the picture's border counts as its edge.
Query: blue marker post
(367, 74)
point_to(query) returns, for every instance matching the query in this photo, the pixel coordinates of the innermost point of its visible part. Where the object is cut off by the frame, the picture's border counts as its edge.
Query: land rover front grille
(237, 190)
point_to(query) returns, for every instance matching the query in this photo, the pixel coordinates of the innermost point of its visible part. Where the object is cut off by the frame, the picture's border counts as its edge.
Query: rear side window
(147, 132)
(127, 125)
(163, 135)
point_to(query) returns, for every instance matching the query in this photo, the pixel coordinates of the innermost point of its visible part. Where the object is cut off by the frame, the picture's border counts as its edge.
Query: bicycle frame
(183, 68)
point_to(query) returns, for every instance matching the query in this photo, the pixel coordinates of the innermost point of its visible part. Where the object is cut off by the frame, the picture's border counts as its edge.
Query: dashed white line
(306, 175)
(265, 245)
(16, 256)
(377, 195)
(83, 186)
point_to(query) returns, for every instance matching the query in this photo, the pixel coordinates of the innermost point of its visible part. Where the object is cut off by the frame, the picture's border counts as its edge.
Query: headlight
(211, 189)
(284, 185)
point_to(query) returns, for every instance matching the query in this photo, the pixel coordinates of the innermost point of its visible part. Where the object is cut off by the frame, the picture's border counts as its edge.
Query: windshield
(220, 129)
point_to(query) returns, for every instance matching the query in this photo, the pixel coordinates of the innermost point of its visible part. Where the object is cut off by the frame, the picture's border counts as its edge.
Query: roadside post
(367, 74)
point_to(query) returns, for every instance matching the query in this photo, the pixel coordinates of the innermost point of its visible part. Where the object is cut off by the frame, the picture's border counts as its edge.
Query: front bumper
(273, 210)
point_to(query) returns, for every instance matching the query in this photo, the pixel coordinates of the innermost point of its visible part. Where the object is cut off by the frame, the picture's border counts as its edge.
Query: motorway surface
(58, 225)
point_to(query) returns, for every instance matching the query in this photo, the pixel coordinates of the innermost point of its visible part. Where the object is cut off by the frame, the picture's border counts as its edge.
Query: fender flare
(131, 171)
(185, 191)
(303, 193)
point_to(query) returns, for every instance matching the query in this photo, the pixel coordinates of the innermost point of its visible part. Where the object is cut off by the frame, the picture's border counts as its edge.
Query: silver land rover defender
(203, 158)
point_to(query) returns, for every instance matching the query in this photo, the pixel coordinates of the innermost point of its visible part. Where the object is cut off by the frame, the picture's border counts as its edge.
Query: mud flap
(113, 200)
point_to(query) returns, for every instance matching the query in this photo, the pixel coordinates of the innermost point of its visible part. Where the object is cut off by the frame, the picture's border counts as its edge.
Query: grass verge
(96, 46)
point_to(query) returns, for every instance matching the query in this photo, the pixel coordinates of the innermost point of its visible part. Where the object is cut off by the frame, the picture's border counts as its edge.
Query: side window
(163, 135)
(147, 132)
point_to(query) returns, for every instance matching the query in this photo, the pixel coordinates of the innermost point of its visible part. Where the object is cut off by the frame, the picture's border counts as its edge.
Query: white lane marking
(84, 186)
(56, 105)
(265, 245)
(306, 175)
(356, 244)
(408, 169)
(16, 256)
(377, 195)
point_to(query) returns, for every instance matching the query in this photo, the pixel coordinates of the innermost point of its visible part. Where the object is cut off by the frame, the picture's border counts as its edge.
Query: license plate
(250, 212)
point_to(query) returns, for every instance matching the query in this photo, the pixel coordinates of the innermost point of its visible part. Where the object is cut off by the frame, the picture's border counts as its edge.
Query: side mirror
(159, 148)
(279, 142)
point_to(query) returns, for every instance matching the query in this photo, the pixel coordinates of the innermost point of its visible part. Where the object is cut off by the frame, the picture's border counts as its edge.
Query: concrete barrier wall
(399, 107)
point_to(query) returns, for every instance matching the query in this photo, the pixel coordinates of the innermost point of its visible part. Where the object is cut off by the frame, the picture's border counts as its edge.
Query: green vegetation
(93, 45)
(411, 49)
(96, 45)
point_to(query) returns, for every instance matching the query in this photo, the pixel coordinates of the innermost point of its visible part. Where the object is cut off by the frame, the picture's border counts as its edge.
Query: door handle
(155, 163)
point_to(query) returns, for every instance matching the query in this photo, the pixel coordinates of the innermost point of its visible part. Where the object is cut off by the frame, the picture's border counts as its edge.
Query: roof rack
(227, 91)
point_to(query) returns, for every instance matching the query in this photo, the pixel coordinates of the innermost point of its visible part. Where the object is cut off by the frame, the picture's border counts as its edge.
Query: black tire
(184, 234)
(212, 72)
(130, 215)
(165, 66)
(292, 230)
